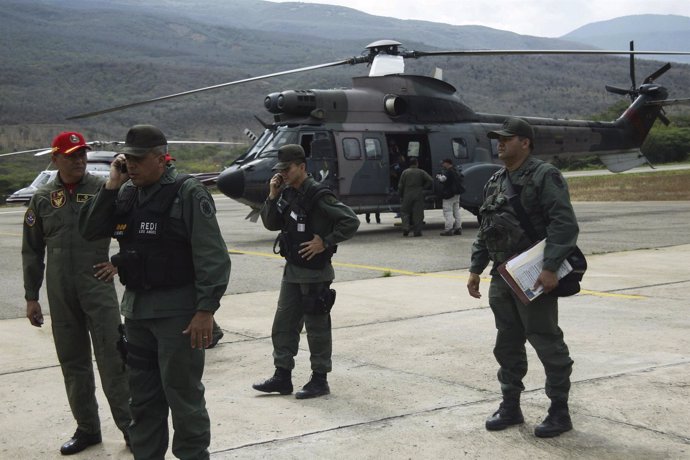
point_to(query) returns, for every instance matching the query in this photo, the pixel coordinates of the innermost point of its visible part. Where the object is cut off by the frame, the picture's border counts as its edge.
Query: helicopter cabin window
(351, 149)
(460, 148)
(372, 149)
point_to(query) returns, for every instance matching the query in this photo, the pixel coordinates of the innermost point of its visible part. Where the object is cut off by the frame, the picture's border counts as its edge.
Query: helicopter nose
(231, 182)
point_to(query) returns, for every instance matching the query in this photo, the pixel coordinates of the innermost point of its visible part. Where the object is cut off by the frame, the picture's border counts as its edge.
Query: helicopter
(97, 163)
(354, 138)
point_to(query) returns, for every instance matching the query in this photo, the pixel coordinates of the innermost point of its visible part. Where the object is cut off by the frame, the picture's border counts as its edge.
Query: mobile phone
(123, 167)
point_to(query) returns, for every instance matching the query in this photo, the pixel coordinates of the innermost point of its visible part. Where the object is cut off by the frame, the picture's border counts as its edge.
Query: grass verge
(653, 186)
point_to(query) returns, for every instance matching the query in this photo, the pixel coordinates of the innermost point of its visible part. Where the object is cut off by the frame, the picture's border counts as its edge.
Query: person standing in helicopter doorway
(82, 298)
(540, 189)
(413, 182)
(451, 187)
(312, 222)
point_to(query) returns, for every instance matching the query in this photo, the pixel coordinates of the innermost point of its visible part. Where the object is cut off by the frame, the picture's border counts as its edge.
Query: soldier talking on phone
(312, 222)
(175, 266)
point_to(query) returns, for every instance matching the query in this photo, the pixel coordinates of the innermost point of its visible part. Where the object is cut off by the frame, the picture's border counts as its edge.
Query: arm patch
(30, 217)
(557, 179)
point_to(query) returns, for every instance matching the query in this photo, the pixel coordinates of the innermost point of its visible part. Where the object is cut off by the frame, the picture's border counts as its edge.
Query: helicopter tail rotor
(634, 90)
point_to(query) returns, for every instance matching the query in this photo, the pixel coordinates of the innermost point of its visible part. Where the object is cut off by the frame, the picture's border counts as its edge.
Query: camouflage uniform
(164, 370)
(80, 304)
(546, 200)
(411, 187)
(334, 222)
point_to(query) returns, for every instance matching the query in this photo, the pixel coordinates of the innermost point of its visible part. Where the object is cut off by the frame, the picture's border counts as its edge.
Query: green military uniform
(411, 187)
(164, 370)
(546, 200)
(80, 304)
(333, 222)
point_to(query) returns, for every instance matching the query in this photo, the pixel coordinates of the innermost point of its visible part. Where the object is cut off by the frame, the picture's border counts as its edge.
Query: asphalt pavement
(414, 375)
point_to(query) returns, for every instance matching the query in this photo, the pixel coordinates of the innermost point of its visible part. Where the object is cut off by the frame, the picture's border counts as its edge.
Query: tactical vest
(295, 209)
(500, 227)
(150, 256)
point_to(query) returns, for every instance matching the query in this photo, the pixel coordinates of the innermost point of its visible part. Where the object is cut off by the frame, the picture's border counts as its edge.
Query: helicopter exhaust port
(394, 105)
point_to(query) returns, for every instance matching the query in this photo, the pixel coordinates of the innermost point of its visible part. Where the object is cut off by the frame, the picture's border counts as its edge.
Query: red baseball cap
(68, 142)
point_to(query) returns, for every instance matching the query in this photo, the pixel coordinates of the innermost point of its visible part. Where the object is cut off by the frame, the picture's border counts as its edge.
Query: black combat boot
(80, 441)
(508, 414)
(317, 386)
(281, 382)
(556, 422)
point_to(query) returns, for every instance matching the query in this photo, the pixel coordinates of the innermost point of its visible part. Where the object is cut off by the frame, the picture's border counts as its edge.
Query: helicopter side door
(363, 166)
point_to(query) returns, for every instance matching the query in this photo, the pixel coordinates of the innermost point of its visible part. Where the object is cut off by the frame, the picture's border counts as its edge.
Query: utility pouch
(319, 303)
(129, 268)
(570, 283)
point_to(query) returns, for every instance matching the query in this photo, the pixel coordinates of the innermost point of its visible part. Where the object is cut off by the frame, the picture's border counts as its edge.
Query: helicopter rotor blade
(207, 142)
(418, 54)
(662, 70)
(617, 90)
(221, 85)
(41, 151)
(362, 59)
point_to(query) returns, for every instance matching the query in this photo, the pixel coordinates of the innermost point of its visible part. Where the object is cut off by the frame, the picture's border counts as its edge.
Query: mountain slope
(63, 58)
(651, 32)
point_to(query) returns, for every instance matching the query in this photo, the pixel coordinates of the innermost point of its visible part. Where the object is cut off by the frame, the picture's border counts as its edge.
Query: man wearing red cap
(81, 295)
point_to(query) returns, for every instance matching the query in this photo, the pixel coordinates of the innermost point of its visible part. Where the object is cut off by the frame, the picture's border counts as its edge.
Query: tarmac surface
(414, 375)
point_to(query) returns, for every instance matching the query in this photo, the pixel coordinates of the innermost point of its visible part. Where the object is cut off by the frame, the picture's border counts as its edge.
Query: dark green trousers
(165, 373)
(77, 320)
(288, 323)
(538, 324)
(412, 212)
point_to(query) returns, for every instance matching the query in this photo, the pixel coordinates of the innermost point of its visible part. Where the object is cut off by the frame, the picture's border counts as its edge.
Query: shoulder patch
(30, 217)
(557, 179)
(206, 207)
(330, 199)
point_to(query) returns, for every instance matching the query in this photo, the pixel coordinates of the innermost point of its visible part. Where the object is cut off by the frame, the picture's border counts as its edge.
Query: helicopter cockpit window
(460, 148)
(280, 139)
(351, 149)
(257, 147)
(372, 149)
(43, 178)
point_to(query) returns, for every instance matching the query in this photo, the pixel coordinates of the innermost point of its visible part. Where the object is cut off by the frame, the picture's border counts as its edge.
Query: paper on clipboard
(521, 272)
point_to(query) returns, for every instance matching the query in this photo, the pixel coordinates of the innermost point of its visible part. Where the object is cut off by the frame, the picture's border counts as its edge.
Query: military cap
(513, 126)
(142, 138)
(288, 154)
(68, 142)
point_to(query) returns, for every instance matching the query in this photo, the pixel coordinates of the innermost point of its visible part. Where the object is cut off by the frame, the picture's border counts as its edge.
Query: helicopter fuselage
(354, 139)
